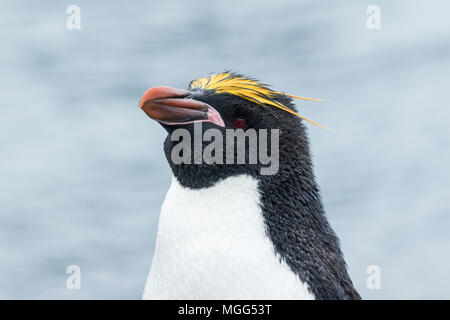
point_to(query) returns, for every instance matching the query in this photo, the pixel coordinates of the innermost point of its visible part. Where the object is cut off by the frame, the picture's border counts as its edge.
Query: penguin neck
(296, 224)
(212, 244)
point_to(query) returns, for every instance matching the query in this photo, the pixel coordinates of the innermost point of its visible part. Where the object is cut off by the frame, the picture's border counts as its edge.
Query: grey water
(83, 176)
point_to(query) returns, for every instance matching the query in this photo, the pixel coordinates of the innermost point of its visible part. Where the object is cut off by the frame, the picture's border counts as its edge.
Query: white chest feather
(212, 244)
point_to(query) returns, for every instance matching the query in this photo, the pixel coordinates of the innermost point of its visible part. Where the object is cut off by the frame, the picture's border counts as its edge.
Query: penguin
(227, 231)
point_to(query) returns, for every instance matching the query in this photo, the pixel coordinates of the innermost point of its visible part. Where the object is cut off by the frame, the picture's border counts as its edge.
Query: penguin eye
(239, 123)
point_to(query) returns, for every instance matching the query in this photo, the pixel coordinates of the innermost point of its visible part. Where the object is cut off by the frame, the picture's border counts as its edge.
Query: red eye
(240, 123)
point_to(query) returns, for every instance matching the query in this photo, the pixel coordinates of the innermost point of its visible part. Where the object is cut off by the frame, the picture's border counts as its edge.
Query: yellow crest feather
(248, 89)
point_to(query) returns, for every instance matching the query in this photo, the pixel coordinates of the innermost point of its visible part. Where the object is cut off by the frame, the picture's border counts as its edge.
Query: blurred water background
(82, 173)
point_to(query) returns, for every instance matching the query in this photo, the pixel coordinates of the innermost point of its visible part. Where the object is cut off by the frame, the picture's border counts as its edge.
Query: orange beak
(172, 106)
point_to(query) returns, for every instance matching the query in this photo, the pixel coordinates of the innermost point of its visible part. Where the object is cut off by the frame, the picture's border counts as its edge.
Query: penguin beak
(172, 106)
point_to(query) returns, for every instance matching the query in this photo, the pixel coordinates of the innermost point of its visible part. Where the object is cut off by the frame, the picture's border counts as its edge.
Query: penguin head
(219, 105)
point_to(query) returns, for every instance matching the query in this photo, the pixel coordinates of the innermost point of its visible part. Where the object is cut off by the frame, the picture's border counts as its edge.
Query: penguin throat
(212, 244)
